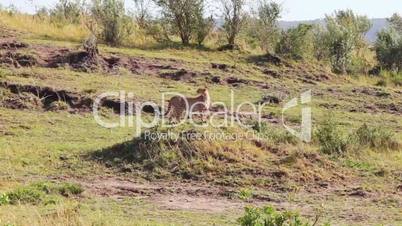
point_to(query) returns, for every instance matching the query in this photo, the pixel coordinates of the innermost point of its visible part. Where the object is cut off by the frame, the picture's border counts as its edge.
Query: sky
(293, 9)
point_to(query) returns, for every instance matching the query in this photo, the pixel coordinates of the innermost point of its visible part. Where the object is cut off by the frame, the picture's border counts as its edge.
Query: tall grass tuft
(375, 137)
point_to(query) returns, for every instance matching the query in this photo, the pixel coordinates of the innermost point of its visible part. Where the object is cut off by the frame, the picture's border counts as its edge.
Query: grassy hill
(59, 167)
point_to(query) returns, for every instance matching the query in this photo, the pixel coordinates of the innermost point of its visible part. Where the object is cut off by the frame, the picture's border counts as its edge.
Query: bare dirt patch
(47, 96)
(18, 96)
(179, 75)
(21, 101)
(17, 59)
(345, 204)
(12, 44)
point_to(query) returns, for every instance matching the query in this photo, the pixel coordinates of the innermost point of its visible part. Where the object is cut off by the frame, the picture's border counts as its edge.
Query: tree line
(340, 41)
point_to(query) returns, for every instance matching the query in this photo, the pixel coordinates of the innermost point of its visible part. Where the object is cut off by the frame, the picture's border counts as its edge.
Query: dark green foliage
(389, 45)
(274, 135)
(233, 20)
(203, 28)
(330, 138)
(142, 14)
(267, 29)
(333, 140)
(296, 43)
(66, 12)
(43, 192)
(396, 22)
(186, 17)
(112, 20)
(375, 137)
(345, 37)
(25, 195)
(268, 216)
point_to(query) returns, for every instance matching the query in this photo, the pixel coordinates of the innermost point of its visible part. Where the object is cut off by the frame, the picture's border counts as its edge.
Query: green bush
(187, 19)
(389, 45)
(203, 28)
(396, 79)
(375, 137)
(345, 38)
(297, 43)
(245, 194)
(67, 189)
(331, 139)
(42, 192)
(112, 20)
(274, 135)
(268, 216)
(4, 199)
(65, 12)
(25, 195)
(388, 48)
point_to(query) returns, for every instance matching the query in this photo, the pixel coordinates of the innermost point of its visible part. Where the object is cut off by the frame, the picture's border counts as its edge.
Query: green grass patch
(41, 192)
(268, 216)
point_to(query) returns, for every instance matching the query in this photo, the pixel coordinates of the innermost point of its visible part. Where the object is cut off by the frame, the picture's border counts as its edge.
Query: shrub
(388, 47)
(345, 37)
(25, 195)
(203, 28)
(362, 61)
(331, 139)
(320, 42)
(268, 216)
(276, 136)
(375, 137)
(245, 194)
(391, 77)
(233, 20)
(4, 199)
(41, 14)
(68, 189)
(39, 192)
(396, 79)
(113, 22)
(184, 15)
(267, 29)
(141, 13)
(296, 43)
(158, 31)
(382, 82)
(66, 12)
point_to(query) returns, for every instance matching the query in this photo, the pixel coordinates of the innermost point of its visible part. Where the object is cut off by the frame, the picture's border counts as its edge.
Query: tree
(183, 14)
(396, 22)
(389, 45)
(111, 17)
(67, 11)
(233, 19)
(268, 14)
(297, 43)
(142, 12)
(345, 36)
(203, 28)
(320, 42)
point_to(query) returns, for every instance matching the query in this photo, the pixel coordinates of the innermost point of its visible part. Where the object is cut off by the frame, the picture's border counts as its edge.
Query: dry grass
(43, 29)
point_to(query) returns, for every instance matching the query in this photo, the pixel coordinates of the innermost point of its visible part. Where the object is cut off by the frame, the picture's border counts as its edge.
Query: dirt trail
(346, 204)
(167, 195)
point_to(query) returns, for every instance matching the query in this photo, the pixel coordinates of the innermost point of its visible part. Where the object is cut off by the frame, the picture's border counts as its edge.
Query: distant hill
(378, 25)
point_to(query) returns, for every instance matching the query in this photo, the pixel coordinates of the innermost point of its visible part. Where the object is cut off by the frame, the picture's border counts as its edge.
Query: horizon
(311, 9)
